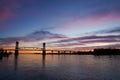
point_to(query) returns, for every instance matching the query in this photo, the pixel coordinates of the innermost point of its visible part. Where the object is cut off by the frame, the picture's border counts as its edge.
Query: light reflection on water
(60, 67)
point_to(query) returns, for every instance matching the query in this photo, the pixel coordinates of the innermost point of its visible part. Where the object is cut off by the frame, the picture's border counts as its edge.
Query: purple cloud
(90, 42)
(93, 39)
(84, 42)
(40, 35)
(111, 30)
(88, 38)
(117, 29)
(35, 36)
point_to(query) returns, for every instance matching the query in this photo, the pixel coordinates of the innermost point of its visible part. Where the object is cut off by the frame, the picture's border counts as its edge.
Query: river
(60, 67)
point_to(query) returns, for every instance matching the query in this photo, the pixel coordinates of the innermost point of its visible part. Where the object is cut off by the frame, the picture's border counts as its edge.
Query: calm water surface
(60, 67)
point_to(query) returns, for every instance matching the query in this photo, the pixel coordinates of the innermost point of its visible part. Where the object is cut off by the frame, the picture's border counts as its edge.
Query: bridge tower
(44, 49)
(16, 48)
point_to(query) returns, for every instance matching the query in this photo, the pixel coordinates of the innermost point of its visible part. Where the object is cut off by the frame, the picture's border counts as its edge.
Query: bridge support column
(52, 52)
(58, 52)
(16, 48)
(44, 49)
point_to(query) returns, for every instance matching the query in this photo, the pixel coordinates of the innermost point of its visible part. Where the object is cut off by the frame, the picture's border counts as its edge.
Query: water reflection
(110, 57)
(60, 67)
(5, 56)
(15, 62)
(43, 60)
(0, 57)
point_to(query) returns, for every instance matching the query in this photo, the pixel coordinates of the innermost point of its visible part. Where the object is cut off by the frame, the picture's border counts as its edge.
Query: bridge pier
(44, 49)
(52, 51)
(16, 48)
(58, 52)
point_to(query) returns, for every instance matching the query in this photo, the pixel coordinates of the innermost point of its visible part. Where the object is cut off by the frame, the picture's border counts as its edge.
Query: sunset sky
(62, 24)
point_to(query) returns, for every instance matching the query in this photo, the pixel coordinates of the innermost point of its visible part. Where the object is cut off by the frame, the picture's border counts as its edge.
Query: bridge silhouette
(42, 50)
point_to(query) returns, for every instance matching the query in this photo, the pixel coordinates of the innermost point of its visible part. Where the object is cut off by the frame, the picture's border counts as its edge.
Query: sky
(62, 24)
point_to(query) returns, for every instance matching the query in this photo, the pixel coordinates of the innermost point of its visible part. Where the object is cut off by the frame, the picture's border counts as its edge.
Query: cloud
(9, 40)
(113, 30)
(99, 39)
(93, 19)
(40, 35)
(88, 38)
(10, 8)
(32, 37)
(69, 44)
(5, 13)
(90, 42)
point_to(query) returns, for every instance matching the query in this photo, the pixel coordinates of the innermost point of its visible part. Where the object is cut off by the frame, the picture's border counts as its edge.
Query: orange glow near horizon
(49, 50)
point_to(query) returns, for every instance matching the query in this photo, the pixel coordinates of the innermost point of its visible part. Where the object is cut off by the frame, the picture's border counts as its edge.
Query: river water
(60, 67)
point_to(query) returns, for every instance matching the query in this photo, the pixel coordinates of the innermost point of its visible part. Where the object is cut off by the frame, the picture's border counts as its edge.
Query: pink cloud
(83, 43)
(5, 13)
(92, 20)
(89, 42)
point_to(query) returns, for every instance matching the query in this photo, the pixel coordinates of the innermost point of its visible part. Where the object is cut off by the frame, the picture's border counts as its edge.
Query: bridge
(39, 49)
